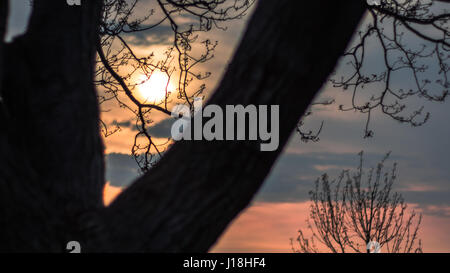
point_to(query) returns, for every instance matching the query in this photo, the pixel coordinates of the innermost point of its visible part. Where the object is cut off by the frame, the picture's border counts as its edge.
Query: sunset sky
(281, 207)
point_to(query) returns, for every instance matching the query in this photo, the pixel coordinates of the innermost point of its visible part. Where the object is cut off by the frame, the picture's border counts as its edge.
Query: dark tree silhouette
(354, 213)
(51, 150)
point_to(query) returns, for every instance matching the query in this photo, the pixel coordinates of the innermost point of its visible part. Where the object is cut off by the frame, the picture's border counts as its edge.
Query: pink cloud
(264, 227)
(267, 227)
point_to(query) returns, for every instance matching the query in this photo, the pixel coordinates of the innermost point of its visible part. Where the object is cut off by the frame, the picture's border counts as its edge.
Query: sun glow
(153, 89)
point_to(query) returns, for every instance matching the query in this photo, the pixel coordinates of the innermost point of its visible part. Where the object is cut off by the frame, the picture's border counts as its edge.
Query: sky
(281, 206)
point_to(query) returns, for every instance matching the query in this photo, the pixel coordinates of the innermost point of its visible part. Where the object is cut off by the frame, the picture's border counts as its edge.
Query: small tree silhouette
(346, 215)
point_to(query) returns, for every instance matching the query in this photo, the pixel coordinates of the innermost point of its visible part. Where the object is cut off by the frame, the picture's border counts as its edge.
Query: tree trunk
(51, 153)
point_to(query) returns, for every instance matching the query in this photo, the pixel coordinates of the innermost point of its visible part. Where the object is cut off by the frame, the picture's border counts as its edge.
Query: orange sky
(110, 192)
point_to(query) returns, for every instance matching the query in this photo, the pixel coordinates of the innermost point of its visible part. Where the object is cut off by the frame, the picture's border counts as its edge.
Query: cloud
(124, 124)
(267, 227)
(294, 175)
(121, 169)
(160, 35)
(19, 14)
(162, 129)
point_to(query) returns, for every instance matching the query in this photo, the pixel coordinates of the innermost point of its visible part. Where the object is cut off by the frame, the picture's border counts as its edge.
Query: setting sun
(153, 89)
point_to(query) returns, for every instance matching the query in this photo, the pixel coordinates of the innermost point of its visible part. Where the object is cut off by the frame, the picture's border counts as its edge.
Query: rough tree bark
(51, 154)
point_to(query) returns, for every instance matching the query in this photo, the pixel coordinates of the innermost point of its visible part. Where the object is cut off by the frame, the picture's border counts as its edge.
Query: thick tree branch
(186, 201)
(62, 105)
